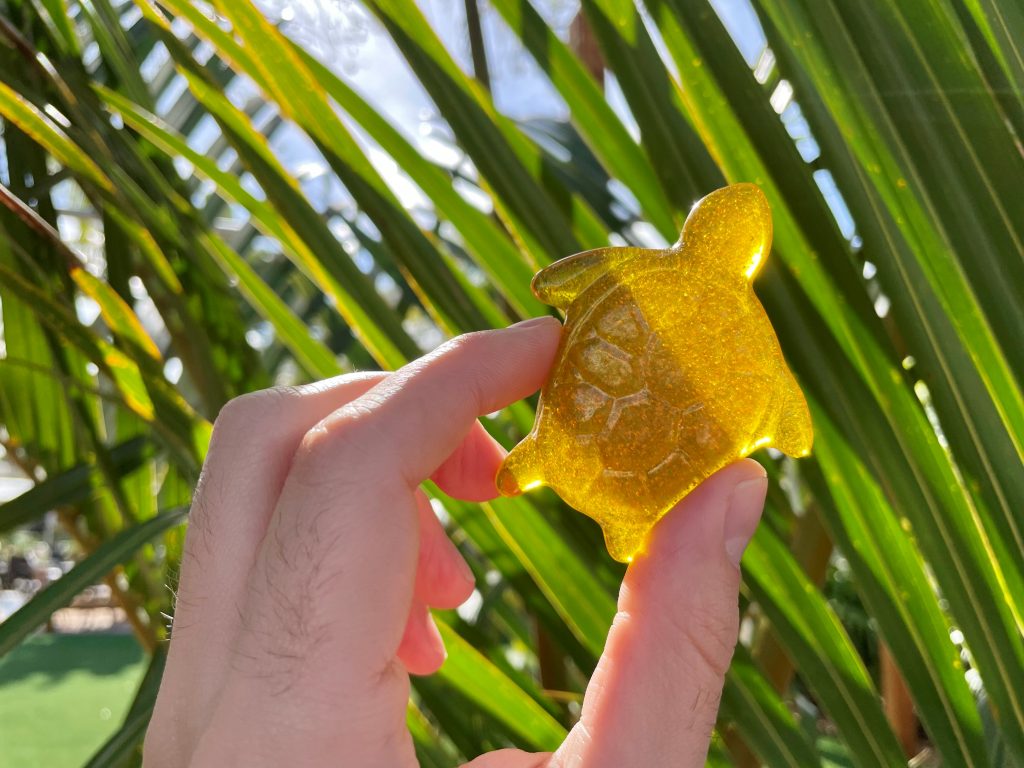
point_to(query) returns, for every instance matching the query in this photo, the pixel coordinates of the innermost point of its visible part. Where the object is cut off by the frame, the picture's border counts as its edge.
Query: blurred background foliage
(163, 252)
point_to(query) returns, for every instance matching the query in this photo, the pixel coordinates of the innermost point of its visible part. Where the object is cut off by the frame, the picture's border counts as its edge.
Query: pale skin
(312, 560)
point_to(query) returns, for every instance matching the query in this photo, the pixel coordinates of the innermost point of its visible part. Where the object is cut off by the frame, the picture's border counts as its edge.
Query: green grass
(62, 696)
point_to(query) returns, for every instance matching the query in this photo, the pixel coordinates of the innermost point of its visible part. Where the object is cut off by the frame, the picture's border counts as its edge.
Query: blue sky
(350, 40)
(355, 44)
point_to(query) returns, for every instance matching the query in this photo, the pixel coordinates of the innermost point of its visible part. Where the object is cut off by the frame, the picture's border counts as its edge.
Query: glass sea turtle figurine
(668, 369)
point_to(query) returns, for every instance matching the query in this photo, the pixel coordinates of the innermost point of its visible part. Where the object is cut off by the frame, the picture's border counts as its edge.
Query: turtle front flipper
(521, 470)
(561, 282)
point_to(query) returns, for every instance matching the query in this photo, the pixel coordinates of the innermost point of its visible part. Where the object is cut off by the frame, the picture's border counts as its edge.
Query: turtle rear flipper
(520, 471)
(625, 541)
(561, 282)
(794, 433)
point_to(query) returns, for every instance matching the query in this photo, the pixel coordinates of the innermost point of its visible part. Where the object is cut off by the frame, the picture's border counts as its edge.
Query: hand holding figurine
(312, 559)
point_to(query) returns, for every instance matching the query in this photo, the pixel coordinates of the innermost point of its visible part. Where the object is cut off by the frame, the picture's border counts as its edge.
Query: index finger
(418, 416)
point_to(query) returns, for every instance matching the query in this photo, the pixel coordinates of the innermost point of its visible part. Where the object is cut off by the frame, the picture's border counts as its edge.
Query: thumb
(654, 696)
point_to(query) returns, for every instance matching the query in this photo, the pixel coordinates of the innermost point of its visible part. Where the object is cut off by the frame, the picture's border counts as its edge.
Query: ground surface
(61, 696)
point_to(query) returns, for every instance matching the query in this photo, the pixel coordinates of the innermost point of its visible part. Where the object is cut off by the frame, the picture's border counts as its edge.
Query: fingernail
(745, 506)
(533, 322)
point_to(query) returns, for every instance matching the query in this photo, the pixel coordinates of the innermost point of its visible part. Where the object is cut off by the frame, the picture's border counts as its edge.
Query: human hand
(312, 557)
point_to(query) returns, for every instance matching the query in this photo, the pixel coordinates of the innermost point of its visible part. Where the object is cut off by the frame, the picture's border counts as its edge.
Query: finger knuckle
(238, 411)
(338, 442)
(707, 634)
(249, 412)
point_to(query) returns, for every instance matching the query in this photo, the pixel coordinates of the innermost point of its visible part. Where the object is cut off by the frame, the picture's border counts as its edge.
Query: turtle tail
(519, 472)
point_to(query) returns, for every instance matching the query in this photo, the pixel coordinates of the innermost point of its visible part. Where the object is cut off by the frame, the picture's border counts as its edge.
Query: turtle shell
(624, 392)
(635, 414)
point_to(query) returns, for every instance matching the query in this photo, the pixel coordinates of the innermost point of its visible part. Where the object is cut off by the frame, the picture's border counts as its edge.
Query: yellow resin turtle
(668, 369)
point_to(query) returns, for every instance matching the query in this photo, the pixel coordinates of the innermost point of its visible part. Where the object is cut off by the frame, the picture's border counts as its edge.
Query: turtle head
(730, 229)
